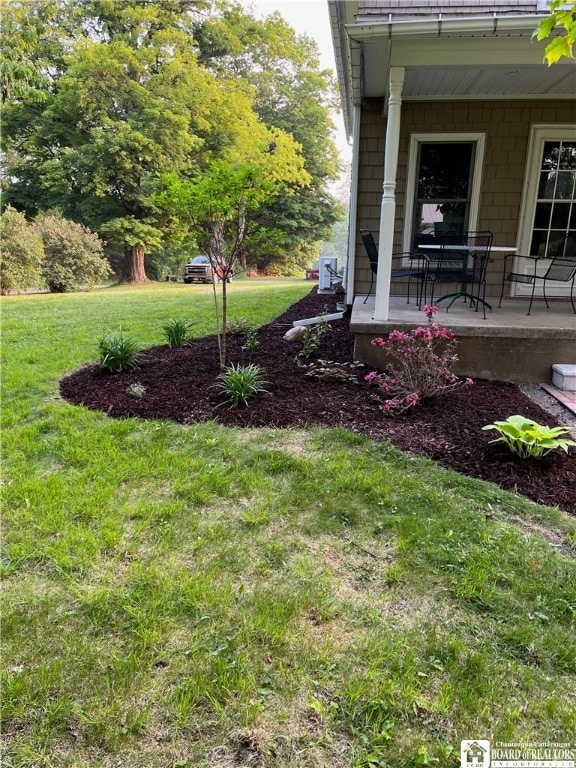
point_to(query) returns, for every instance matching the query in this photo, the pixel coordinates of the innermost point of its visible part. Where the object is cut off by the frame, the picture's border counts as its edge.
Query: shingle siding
(403, 9)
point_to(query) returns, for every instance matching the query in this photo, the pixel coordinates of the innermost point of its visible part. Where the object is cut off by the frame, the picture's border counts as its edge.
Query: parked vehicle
(200, 270)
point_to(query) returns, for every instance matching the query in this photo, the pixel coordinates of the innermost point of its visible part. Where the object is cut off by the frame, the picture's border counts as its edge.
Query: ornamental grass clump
(419, 367)
(528, 439)
(240, 383)
(118, 352)
(177, 332)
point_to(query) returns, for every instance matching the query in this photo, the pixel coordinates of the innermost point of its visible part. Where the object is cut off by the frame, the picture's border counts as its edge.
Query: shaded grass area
(188, 596)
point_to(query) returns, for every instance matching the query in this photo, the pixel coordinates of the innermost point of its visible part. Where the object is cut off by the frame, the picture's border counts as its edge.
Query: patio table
(466, 250)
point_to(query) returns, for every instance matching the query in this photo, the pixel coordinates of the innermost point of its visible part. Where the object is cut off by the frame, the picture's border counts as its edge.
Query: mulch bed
(179, 386)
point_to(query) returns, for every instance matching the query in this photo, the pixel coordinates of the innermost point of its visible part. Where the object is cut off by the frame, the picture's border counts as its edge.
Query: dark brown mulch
(448, 429)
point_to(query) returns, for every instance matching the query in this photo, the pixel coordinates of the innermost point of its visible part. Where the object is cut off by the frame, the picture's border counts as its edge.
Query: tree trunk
(223, 349)
(134, 271)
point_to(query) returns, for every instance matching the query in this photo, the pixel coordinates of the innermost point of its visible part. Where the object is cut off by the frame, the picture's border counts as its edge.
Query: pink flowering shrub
(420, 365)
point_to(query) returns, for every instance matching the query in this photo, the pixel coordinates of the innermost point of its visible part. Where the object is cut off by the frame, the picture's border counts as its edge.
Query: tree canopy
(105, 96)
(295, 94)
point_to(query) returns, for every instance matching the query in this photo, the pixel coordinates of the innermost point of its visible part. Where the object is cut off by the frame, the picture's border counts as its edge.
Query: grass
(202, 596)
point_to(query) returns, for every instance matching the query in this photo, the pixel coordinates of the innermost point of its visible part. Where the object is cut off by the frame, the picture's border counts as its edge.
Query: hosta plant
(527, 438)
(241, 382)
(177, 332)
(118, 352)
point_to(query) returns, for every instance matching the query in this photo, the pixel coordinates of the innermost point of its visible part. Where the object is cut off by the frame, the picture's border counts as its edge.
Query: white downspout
(352, 213)
(388, 208)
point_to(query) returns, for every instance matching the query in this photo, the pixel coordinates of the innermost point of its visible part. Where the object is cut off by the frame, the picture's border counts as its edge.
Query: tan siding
(507, 128)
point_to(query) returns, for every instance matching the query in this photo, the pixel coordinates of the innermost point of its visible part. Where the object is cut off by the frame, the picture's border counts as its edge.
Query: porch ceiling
(427, 81)
(473, 57)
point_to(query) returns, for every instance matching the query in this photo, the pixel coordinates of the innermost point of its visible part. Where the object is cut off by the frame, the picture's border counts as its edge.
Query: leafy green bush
(177, 332)
(73, 255)
(118, 352)
(21, 254)
(312, 338)
(251, 341)
(240, 383)
(241, 325)
(527, 438)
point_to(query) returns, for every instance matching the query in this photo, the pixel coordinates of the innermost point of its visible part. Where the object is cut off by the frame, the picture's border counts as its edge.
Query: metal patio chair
(562, 268)
(403, 271)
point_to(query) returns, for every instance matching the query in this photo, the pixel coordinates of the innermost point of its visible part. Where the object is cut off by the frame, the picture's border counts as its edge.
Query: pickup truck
(200, 270)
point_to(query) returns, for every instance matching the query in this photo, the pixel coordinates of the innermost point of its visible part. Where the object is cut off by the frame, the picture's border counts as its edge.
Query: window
(549, 202)
(555, 212)
(443, 185)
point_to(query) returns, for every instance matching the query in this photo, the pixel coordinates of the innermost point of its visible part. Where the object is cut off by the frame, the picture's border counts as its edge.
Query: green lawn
(203, 596)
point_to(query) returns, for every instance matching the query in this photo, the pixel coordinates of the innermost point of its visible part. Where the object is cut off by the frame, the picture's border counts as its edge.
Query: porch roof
(462, 56)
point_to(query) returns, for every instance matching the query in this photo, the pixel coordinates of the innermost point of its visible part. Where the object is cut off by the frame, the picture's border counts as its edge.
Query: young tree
(73, 256)
(21, 253)
(220, 206)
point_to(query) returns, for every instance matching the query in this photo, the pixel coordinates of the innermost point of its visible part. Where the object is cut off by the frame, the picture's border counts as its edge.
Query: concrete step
(564, 377)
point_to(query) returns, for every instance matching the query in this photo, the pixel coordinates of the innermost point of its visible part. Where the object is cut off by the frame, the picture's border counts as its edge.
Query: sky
(309, 17)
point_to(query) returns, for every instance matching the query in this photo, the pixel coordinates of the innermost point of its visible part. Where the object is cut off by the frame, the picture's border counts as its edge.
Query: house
(475, 755)
(457, 124)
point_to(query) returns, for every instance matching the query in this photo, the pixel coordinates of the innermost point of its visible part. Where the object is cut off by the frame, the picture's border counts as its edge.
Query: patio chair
(402, 272)
(462, 258)
(562, 268)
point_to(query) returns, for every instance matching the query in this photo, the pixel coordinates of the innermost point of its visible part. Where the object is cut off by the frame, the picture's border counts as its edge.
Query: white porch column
(388, 208)
(351, 261)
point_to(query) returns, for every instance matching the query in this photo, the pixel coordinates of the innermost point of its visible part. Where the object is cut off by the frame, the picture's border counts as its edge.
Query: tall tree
(132, 102)
(293, 93)
(104, 96)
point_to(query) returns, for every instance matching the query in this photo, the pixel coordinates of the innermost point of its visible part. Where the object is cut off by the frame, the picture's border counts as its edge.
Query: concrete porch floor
(508, 345)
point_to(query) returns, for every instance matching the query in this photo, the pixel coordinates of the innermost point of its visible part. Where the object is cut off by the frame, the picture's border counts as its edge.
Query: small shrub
(73, 255)
(137, 389)
(312, 339)
(420, 367)
(240, 383)
(251, 342)
(241, 325)
(177, 332)
(527, 438)
(118, 352)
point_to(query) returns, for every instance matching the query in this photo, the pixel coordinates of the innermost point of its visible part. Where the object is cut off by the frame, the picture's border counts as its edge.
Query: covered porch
(508, 345)
(457, 125)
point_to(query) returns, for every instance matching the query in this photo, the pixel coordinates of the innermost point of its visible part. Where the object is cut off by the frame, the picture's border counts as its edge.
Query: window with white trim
(555, 210)
(549, 201)
(443, 185)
